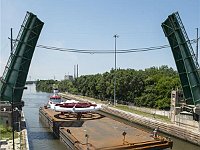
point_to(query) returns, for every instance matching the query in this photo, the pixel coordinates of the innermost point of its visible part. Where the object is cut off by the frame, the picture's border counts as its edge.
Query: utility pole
(11, 41)
(12, 99)
(115, 36)
(197, 46)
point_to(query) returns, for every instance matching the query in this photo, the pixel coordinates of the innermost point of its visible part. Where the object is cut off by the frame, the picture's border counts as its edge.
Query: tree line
(148, 88)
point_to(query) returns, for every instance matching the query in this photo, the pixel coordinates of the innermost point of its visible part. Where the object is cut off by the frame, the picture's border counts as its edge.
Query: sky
(91, 24)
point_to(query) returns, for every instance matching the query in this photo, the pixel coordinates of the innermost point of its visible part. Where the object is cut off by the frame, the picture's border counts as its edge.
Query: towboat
(77, 107)
(71, 101)
(54, 99)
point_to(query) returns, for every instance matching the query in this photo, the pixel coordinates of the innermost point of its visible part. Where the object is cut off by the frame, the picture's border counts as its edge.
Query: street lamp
(115, 36)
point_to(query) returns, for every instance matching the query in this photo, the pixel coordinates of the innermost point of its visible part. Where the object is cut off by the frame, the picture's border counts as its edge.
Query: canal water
(40, 136)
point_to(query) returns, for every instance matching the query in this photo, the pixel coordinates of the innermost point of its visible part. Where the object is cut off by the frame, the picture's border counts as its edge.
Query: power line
(87, 51)
(90, 51)
(103, 51)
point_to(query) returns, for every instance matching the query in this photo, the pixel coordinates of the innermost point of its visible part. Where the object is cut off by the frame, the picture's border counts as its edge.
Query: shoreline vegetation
(149, 88)
(6, 133)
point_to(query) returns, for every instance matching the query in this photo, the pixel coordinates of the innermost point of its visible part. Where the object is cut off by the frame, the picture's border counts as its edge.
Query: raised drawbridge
(184, 57)
(14, 77)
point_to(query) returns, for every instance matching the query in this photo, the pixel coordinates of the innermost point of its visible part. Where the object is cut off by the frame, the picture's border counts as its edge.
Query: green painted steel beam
(16, 71)
(184, 57)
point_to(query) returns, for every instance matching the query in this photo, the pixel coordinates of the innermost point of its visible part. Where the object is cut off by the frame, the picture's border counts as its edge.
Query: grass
(94, 99)
(6, 133)
(158, 117)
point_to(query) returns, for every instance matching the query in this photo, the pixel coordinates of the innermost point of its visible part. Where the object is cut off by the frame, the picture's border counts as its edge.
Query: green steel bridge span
(13, 81)
(185, 59)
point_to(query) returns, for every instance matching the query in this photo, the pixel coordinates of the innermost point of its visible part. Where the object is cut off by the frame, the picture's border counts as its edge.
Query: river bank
(21, 142)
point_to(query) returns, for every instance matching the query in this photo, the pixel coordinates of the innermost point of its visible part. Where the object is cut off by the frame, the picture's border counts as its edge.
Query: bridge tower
(14, 77)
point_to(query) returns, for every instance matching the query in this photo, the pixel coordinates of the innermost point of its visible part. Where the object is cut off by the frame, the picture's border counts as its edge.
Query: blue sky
(91, 24)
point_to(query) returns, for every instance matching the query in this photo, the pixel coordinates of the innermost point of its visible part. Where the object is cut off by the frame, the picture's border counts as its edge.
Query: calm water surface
(40, 138)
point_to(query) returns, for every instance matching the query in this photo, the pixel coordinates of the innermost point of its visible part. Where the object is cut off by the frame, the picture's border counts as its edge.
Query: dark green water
(40, 138)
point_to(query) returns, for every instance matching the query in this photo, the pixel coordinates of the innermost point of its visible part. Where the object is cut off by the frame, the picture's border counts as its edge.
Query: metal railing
(15, 46)
(187, 40)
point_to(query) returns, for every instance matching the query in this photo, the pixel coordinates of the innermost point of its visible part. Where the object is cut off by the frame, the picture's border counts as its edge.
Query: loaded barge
(95, 131)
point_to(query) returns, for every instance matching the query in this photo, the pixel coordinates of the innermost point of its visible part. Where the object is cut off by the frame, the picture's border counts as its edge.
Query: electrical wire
(102, 51)
(87, 51)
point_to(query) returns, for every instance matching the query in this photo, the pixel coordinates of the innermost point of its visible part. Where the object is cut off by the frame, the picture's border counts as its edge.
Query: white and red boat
(54, 99)
(77, 107)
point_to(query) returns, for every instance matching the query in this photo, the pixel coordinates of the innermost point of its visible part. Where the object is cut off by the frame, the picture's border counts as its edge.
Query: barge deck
(95, 131)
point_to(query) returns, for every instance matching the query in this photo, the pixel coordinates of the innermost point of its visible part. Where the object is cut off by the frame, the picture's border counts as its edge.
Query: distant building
(68, 77)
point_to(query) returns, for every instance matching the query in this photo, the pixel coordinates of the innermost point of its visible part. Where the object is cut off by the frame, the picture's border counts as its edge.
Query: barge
(95, 131)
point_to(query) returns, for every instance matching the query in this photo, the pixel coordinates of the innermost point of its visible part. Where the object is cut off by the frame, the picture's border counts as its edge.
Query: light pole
(13, 131)
(115, 36)
(12, 97)
(197, 46)
(12, 100)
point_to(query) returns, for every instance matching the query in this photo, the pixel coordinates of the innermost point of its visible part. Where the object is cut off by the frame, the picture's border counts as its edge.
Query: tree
(149, 88)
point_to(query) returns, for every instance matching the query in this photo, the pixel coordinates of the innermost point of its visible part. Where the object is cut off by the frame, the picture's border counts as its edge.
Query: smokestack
(74, 71)
(77, 71)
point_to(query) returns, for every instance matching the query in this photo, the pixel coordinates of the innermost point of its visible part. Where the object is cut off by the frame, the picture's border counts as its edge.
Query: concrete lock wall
(6, 118)
(186, 121)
